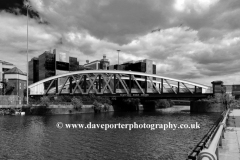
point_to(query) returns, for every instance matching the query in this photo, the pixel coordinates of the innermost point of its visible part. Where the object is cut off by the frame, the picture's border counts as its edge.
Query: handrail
(205, 140)
(211, 153)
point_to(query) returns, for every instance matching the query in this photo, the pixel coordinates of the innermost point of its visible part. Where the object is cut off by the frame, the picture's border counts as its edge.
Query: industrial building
(98, 64)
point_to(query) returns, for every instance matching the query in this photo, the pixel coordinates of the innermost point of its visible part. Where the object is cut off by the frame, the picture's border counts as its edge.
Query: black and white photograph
(119, 80)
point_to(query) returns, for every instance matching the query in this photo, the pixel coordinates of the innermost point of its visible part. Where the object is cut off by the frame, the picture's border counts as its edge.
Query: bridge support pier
(205, 106)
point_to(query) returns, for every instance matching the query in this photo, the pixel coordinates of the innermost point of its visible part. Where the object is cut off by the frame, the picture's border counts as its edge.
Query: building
(4, 66)
(73, 64)
(46, 65)
(98, 64)
(16, 82)
(33, 71)
(145, 66)
(49, 64)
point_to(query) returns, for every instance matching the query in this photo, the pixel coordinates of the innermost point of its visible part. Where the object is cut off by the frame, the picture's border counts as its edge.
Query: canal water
(37, 137)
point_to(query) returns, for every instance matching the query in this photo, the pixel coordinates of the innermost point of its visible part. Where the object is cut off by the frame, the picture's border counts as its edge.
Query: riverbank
(62, 109)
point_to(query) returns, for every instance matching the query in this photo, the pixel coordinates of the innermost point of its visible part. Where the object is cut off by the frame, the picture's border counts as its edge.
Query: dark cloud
(113, 21)
(17, 7)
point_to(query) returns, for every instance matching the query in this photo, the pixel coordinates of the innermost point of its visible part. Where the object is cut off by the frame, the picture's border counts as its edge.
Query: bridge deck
(231, 143)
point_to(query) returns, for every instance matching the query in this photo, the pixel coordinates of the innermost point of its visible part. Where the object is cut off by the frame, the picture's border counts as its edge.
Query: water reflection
(36, 137)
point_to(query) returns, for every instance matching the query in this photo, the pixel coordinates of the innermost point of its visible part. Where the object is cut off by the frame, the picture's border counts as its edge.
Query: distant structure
(4, 66)
(49, 64)
(145, 66)
(17, 80)
(98, 64)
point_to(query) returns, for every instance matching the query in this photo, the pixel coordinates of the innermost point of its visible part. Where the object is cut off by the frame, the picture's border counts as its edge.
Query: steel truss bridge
(117, 83)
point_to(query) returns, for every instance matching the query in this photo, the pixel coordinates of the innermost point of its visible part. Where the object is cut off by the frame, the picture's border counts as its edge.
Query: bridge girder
(114, 82)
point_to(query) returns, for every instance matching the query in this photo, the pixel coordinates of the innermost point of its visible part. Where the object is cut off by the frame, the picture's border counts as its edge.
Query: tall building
(73, 64)
(33, 70)
(46, 63)
(98, 64)
(50, 64)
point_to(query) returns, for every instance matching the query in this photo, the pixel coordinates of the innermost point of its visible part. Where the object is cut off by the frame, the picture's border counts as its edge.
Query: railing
(210, 141)
(211, 153)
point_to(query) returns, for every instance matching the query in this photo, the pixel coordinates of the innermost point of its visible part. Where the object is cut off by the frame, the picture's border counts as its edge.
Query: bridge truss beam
(114, 83)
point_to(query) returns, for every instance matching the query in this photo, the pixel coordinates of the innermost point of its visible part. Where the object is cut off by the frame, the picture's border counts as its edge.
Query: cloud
(114, 21)
(194, 40)
(13, 40)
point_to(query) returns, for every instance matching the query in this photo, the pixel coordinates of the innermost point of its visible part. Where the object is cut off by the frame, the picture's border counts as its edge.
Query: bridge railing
(207, 148)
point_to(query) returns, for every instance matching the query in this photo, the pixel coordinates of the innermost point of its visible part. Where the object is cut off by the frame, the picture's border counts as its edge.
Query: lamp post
(118, 56)
(27, 5)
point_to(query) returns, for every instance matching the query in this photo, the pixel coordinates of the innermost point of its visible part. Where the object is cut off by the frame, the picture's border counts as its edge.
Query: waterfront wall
(206, 107)
(60, 109)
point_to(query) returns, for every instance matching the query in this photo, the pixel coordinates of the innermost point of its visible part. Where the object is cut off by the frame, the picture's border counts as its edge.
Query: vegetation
(45, 101)
(234, 104)
(160, 103)
(219, 98)
(164, 103)
(132, 102)
(8, 88)
(77, 103)
(97, 106)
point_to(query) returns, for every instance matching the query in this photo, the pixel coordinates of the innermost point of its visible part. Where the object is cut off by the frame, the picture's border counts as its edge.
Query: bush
(132, 102)
(45, 101)
(102, 100)
(77, 103)
(106, 107)
(97, 106)
(162, 103)
(218, 98)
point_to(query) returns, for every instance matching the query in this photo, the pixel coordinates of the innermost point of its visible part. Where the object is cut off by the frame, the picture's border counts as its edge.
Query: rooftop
(6, 63)
(14, 70)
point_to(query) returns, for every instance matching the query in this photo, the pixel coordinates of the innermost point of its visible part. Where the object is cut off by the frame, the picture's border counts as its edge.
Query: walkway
(231, 141)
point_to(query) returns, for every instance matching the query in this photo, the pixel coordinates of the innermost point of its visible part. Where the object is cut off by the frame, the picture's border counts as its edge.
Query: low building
(98, 64)
(16, 82)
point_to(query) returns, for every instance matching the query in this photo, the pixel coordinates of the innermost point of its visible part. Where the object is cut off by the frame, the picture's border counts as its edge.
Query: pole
(118, 56)
(27, 54)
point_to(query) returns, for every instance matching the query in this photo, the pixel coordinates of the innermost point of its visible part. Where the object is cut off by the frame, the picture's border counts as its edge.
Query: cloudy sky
(196, 40)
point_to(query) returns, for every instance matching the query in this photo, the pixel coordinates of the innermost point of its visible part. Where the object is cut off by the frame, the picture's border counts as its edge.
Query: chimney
(87, 61)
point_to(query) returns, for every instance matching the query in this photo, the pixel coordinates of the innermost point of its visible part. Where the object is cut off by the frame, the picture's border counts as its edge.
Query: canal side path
(230, 149)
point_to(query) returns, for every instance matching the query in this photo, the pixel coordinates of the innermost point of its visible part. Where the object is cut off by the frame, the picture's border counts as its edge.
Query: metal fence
(210, 141)
(11, 100)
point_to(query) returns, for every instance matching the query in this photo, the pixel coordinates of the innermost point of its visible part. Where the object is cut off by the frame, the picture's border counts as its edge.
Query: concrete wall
(205, 107)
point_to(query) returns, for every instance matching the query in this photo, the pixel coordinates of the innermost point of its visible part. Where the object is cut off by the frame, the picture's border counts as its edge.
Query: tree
(9, 87)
